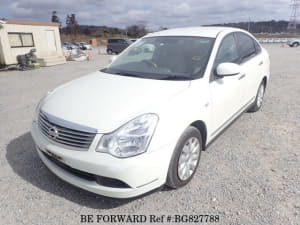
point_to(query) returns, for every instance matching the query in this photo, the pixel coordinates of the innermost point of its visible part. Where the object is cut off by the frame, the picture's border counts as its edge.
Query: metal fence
(274, 40)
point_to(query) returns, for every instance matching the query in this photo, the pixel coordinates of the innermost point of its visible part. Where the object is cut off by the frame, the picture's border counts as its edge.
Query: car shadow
(24, 160)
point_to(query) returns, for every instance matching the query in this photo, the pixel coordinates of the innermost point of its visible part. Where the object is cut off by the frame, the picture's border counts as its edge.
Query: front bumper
(141, 173)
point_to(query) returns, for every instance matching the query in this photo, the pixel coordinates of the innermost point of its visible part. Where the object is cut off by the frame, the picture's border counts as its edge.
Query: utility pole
(249, 24)
(294, 18)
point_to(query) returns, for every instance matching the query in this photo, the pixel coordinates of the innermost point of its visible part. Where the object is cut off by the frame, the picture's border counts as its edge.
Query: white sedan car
(143, 121)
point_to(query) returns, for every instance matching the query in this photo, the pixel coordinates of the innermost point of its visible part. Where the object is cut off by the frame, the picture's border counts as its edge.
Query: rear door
(251, 63)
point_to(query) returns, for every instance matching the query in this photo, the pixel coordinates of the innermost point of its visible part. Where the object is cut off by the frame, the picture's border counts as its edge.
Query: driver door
(226, 92)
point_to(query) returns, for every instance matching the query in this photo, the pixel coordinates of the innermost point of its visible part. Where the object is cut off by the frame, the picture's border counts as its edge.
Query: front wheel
(185, 158)
(259, 98)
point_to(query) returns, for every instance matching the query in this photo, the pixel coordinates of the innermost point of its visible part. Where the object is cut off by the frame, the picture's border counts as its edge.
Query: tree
(163, 28)
(55, 18)
(137, 31)
(86, 31)
(72, 24)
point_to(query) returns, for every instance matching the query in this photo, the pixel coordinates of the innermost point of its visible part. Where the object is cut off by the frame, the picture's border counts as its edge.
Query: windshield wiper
(120, 73)
(148, 76)
(126, 74)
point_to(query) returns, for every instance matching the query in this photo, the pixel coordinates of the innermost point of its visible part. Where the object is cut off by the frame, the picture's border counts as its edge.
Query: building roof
(204, 31)
(30, 22)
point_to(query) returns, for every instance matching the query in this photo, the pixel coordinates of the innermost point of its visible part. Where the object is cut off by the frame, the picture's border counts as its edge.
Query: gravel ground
(249, 175)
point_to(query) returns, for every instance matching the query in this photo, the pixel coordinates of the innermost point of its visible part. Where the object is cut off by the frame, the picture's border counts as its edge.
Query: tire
(110, 52)
(259, 98)
(184, 157)
(296, 44)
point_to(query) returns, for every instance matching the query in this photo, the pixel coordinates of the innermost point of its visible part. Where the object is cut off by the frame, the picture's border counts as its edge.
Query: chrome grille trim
(64, 132)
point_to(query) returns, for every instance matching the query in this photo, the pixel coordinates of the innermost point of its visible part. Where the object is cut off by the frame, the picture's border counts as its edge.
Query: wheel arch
(265, 81)
(201, 126)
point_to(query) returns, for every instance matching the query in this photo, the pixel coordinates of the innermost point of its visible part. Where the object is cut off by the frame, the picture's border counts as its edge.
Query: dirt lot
(249, 175)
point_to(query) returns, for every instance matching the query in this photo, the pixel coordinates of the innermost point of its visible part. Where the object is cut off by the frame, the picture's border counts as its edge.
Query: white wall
(41, 41)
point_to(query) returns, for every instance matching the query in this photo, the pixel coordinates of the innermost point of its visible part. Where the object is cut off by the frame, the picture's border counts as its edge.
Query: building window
(18, 40)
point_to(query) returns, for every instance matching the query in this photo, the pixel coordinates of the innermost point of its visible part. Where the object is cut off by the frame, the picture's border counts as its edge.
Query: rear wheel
(296, 44)
(259, 98)
(109, 51)
(185, 158)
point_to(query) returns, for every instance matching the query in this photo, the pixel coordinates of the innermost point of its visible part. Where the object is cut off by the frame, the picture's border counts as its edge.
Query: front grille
(62, 134)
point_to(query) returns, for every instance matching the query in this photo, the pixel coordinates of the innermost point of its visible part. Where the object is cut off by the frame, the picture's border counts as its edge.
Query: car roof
(201, 31)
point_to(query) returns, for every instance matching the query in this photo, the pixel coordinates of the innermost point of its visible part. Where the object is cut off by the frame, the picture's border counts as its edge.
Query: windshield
(173, 58)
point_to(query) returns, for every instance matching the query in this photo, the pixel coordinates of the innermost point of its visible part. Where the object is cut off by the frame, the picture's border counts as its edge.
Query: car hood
(106, 101)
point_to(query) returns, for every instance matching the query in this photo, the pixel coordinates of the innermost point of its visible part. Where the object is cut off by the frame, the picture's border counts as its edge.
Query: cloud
(181, 10)
(20, 11)
(155, 13)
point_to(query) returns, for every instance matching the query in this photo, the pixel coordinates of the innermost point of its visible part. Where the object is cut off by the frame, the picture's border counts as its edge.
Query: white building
(18, 37)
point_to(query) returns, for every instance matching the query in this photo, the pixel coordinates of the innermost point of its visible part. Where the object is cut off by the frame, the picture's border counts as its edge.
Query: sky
(153, 13)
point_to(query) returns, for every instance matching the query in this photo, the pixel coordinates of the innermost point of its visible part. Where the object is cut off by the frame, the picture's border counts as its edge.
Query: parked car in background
(143, 121)
(85, 46)
(65, 46)
(294, 42)
(76, 44)
(117, 45)
(69, 46)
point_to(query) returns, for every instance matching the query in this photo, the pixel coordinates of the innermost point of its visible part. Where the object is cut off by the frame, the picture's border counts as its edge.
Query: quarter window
(257, 47)
(18, 40)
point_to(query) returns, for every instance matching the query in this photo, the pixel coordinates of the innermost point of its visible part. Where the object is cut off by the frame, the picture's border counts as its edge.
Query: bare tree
(162, 28)
(55, 18)
(72, 24)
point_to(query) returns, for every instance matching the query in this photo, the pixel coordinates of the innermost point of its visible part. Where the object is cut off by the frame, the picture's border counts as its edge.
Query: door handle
(242, 76)
(261, 63)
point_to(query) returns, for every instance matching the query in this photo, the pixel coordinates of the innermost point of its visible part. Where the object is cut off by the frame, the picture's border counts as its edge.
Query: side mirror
(228, 69)
(113, 58)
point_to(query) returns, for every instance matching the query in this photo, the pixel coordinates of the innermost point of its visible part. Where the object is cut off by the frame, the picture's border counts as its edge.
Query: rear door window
(245, 46)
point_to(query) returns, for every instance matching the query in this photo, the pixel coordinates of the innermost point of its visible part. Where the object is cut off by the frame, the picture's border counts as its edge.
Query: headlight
(131, 139)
